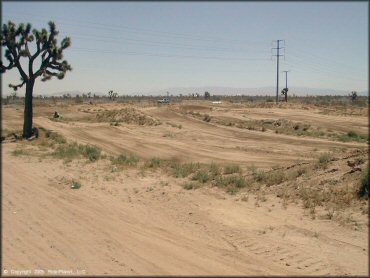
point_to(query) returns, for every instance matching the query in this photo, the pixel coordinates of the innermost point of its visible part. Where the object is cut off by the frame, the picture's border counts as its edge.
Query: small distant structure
(164, 100)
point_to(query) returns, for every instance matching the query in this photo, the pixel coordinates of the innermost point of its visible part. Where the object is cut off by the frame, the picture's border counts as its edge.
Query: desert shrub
(190, 185)
(114, 124)
(352, 136)
(301, 171)
(325, 158)
(270, 178)
(91, 152)
(67, 151)
(182, 170)
(232, 169)
(214, 169)
(19, 152)
(276, 177)
(259, 175)
(237, 181)
(206, 118)
(201, 176)
(125, 159)
(56, 137)
(154, 162)
(74, 150)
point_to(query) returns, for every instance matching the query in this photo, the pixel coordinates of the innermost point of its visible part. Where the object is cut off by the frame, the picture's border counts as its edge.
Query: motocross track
(125, 223)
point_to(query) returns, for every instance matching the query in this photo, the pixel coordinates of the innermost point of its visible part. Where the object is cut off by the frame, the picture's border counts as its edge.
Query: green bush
(91, 152)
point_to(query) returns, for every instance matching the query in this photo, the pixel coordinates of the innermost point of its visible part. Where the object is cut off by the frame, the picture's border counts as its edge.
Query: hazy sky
(133, 47)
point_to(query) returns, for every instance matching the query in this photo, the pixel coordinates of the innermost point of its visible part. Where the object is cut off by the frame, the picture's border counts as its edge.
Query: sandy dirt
(134, 223)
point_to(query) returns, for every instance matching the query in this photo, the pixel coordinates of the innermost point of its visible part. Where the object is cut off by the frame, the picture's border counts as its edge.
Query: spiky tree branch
(16, 40)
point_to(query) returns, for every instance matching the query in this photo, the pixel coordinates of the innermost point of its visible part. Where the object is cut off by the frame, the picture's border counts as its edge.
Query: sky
(144, 47)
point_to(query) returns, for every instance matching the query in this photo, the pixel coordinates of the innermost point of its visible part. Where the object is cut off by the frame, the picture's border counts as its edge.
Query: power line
(165, 55)
(135, 30)
(120, 40)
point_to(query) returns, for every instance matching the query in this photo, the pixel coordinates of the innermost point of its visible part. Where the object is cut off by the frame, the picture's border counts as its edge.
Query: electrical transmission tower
(277, 67)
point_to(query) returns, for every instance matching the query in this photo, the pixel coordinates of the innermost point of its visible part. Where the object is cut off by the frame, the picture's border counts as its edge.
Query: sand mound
(127, 115)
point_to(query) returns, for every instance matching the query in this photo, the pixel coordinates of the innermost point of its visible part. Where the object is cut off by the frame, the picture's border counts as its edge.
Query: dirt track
(131, 224)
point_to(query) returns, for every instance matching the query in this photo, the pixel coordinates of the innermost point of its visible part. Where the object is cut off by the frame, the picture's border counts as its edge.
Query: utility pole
(285, 90)
(277, 68)
(286, 77)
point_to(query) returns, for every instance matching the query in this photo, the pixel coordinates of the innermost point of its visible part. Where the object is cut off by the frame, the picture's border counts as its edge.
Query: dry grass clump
(126, 115)
(190, 185)
(201, 175)
(207, 118)
(73, 150)
(154, 162)
(232, 169)
(352, 136)
(55, 137)
(174, 125)
(237, 181)
(125, 160)
(270, 178)
(182, 170)
(214, 170)
(324, 160)
(21, 152)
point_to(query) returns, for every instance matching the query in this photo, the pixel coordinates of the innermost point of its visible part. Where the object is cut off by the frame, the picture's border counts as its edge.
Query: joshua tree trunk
(27, 125)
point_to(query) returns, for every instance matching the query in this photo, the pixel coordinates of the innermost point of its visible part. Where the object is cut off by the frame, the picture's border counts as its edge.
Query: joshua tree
(13, 95)
(284, 92)
(48, 55)
(207, 95)
(112, 95)
(353, 95)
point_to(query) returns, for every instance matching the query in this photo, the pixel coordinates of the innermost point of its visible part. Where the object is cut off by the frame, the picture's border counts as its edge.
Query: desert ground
(187, 188)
